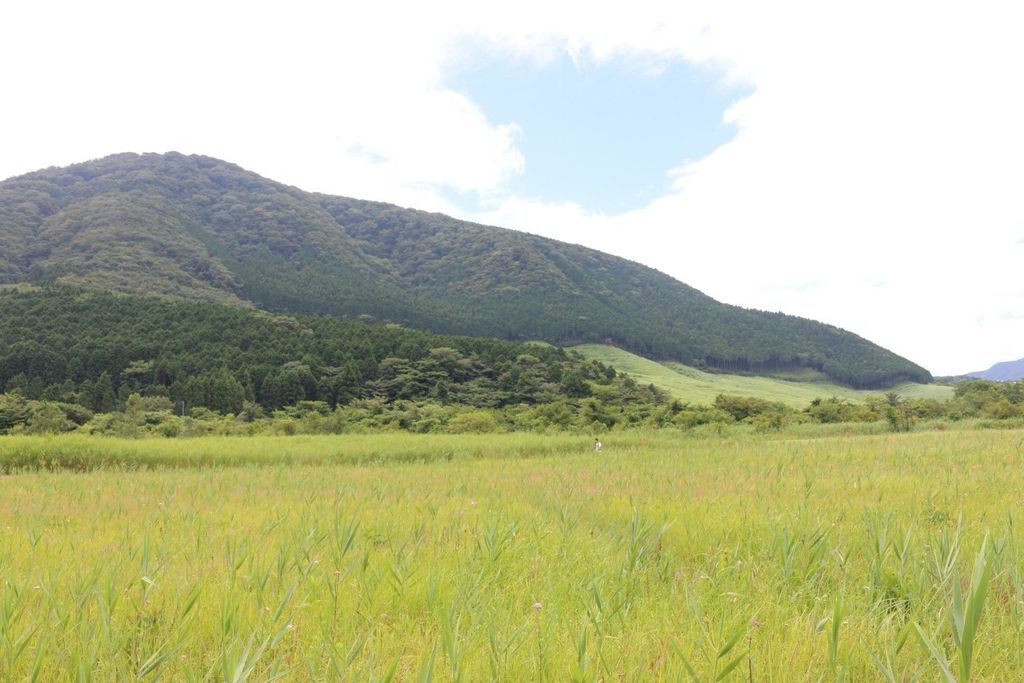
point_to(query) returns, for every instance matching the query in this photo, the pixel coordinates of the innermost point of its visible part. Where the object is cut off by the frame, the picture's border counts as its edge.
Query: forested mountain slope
(95, 349)
(197, 228)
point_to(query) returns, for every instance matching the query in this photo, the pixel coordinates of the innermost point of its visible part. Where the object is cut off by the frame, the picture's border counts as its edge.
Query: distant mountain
(196, 228)
(1008, 371)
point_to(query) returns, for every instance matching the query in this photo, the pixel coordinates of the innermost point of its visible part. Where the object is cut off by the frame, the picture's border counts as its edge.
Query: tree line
(95, 351)
(72, 359)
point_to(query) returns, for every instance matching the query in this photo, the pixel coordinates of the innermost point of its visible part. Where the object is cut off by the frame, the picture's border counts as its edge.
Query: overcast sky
(860, 163)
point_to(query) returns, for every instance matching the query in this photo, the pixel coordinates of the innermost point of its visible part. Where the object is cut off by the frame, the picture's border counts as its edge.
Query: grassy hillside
(697, 386)
(197, 228)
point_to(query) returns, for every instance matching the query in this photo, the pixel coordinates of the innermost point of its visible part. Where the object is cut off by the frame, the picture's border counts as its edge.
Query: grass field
(81, 452)
(696, 386)
(517, 557)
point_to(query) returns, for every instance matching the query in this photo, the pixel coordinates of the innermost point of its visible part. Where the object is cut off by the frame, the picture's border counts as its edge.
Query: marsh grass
(79, 452)
(521, 557)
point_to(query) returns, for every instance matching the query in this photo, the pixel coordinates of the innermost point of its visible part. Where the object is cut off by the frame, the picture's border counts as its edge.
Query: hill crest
(1006, 371)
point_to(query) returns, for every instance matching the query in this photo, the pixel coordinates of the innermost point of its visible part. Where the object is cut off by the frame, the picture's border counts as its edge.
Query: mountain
(1008, 371)
(196, 228)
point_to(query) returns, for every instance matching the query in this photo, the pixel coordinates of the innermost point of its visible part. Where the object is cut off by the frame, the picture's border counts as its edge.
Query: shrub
(475, 422)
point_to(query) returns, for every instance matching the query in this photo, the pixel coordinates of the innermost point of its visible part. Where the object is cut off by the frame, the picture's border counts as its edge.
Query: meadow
(697, 386)
(717, 556)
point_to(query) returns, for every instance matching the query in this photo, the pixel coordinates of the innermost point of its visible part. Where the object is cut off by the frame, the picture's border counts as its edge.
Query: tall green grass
(844, 558)
(85, 452)
(82, 453)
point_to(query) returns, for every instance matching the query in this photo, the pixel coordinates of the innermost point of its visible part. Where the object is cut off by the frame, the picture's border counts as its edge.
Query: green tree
(48, 418)
(897, 412)
(99, 394)
(574, 385)
(219, 391)
(133, 416)
(13, 411)
(477, 421)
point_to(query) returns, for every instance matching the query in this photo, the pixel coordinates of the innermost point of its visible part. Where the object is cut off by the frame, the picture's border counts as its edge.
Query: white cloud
(881, 144)
(330, 97)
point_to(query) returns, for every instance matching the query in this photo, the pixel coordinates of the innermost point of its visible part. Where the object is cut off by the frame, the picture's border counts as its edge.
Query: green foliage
(39, 417)
(97, 394)
(834, 410)
(48, 418)
(743, 407)
(197, 228)
(965, 619)
(218, 390)
(97, 351)
(695, 416)
(14, 411)
(149, 357)
(897, 412)
(474, 422)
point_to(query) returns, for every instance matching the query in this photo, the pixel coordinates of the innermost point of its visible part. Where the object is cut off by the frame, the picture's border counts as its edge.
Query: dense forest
(96, 350)
(195, 228)
(78, 359)
(133, 366)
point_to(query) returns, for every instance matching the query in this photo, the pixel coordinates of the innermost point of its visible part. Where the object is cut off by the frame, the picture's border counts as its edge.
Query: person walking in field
(597, 445)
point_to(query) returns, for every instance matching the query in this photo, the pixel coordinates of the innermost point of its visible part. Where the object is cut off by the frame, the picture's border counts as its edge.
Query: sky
(861, 163)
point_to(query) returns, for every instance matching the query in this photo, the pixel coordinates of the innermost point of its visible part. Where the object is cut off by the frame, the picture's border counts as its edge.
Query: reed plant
(513, 557)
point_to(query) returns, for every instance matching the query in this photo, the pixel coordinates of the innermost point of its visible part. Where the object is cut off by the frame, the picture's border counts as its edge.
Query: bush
(474, 422)
(48, 418)
(13, 411)
(694, 416)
